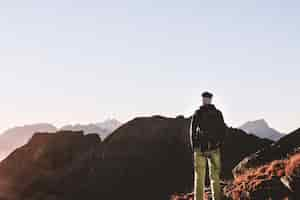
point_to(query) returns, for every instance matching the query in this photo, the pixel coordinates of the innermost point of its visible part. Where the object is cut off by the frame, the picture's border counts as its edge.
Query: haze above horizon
(68, 61)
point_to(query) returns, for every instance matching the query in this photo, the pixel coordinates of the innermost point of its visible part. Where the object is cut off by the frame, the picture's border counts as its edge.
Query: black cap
(207, 94)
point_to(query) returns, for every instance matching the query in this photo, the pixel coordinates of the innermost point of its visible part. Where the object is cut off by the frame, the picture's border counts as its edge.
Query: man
(207, 133)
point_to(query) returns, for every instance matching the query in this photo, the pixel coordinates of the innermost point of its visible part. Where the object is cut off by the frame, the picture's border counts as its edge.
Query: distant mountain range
(261, 129)
(17, 136)
(103, 129)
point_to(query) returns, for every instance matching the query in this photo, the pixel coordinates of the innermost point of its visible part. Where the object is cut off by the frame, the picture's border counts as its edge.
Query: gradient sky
(71, 61)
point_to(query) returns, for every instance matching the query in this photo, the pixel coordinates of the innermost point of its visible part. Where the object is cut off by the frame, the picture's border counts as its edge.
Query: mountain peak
(261, 129)
(259, 122)
(263, 121)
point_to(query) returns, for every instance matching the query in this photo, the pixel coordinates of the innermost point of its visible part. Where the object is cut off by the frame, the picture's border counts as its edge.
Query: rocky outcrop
(237, 146)
(277, 180)
(148, 152)
(271, 173)
(148, 157)
(38, 166)
(292, 175)
(277, 151)
(166, 141)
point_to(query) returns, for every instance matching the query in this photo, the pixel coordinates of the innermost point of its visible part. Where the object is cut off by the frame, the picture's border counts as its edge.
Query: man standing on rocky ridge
(207, 133)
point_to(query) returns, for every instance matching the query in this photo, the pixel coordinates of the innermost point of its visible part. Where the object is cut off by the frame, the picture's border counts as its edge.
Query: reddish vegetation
(264, 182)
(292, 179)
(276, 168)
(293, 166)
(253, 179)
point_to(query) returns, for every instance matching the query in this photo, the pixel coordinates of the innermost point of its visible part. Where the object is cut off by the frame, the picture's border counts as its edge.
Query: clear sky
(75, 61)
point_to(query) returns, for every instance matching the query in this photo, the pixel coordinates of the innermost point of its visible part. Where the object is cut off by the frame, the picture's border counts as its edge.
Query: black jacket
(207, 128)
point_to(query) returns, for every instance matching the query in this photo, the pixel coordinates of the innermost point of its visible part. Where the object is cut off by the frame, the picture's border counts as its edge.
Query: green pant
(214, 164)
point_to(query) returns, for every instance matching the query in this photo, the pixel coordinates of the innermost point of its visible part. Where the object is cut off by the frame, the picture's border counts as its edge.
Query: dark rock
(148, 158)
(239, 145)
(292, 177)
(160, 148)
(276, 180)
(40, 164)
(270, 174)
(18, 136)
(277, 151)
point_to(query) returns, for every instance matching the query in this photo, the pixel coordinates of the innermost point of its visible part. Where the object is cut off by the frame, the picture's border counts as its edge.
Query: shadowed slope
(148, 158)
